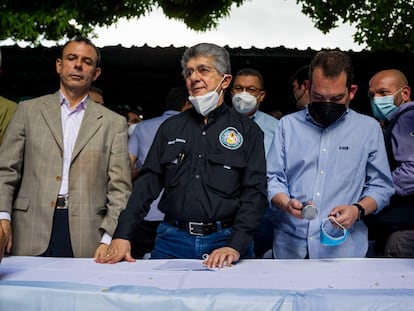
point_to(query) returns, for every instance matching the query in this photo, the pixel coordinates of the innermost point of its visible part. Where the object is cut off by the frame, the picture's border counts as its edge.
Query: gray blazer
(31, 161)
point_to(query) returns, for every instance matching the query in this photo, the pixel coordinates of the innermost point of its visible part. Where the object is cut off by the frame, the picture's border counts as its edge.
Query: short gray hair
(219, 54)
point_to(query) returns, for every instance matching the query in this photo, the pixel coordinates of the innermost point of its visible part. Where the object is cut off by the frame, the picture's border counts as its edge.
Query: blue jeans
(172, 242)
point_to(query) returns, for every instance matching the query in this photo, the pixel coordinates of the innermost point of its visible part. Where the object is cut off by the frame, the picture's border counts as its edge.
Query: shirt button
(203, 133)
(322, 172)
(58, 178)
(324, 149)
(197, 176)
(200, 156)
(318, 194)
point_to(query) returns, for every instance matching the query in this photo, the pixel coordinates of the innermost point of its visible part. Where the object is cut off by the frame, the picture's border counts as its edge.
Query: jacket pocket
(176, 164)
(21, 204)
(225, 172)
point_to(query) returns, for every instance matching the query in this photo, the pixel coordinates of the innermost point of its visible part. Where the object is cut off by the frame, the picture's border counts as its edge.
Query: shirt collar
(217, 111)
(81, 105)
(254, 115)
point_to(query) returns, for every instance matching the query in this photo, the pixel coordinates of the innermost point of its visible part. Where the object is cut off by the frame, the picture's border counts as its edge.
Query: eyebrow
(78, 56)
(341, 95)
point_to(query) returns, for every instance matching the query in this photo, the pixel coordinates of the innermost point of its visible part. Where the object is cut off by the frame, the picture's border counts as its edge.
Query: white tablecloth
(35, 283)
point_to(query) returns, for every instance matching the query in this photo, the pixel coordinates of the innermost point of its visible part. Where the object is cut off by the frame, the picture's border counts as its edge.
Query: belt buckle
(191, 228)
(66, 203)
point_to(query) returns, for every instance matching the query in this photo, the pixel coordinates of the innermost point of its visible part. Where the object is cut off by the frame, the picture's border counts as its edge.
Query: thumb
(128, 257)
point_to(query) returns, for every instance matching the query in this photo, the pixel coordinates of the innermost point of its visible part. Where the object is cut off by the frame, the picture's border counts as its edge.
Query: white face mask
(131, 129)
(244, 102)
(206, 103)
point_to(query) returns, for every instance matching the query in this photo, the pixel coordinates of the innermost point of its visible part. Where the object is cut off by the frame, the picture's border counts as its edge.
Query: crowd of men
(225, 181)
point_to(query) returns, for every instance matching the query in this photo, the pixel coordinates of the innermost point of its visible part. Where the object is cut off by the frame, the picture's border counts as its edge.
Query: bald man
(391, 104)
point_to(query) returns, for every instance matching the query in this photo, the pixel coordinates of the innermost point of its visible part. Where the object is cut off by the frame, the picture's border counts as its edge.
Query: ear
(261, 96)
(307, 84)
(97, 73)
(352, 91)
(406, 94)
(58, 65)
(227, 80)
(186, 106)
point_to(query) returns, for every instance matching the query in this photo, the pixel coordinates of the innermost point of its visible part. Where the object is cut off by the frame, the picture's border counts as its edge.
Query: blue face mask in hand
(331, 235)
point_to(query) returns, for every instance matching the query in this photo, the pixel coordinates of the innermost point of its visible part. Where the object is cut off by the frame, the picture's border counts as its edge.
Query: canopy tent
(142, 76)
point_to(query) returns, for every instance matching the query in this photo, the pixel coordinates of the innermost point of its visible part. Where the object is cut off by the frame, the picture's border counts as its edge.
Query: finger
(115, 258)
(129, 258)
(229, 260)
(225, 260)
(212, 260)
(220, 261)
(103, 257)
(295, 204)
(9, 246)
(114, 255)
(97, 255)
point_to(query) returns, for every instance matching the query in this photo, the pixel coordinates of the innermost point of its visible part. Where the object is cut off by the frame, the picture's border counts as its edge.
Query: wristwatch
(361, 211)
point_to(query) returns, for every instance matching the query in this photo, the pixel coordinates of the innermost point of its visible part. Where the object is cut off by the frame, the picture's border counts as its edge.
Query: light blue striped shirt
(268, 125)
(334, 166)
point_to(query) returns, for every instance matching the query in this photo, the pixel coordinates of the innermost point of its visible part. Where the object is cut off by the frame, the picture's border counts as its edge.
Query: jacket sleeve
(253, 198)
(119, 177)
(11, 159)
(146, 189)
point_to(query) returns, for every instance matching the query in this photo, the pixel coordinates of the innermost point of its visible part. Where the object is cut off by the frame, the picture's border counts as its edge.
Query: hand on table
(118, 250)
(101, 250)
(6, 239)
(221, 256)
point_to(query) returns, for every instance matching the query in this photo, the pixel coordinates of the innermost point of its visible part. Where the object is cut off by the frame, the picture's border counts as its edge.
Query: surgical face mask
(326, 113)
(244, 102)
(131, 129)
(383, 106)
(331, 235)
(206, 103)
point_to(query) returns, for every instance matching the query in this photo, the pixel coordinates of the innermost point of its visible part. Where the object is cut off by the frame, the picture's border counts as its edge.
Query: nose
(194, 75)
(78, 63)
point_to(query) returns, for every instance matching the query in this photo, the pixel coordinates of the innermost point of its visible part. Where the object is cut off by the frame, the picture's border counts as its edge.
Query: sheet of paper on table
(184, 265)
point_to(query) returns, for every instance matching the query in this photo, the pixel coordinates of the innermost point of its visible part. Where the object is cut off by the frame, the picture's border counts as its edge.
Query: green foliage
(61, 19)
(382, 25)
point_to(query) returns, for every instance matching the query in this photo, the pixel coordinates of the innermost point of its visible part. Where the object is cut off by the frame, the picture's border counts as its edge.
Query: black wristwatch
(361, 211)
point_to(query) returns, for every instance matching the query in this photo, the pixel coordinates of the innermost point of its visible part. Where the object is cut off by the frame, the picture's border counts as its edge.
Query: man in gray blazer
(64, 166)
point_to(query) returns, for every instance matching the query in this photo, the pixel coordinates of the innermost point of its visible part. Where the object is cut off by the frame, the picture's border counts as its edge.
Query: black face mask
(326, 113)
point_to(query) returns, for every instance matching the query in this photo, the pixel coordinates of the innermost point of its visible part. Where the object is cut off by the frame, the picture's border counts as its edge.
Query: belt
(61, 202)
(201, 228)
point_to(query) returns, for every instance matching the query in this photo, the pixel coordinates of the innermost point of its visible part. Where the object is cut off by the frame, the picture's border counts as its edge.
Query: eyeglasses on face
(250, 89)
(201, 70)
